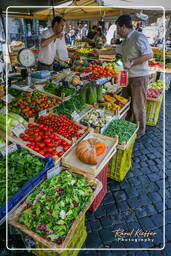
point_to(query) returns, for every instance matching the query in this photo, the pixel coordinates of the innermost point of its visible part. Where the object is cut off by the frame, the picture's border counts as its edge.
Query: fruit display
(43, 140)
(12, 120)
(75, 104)
(28, 104)
(54, 205)
(112, 102)
(101, 71)
(22, 166)
(151, 93)
(61, 125)
(121, 128)
(80, 65)
(91, 93)
(88, 150)
(96, 118)
(153, 64)
(84, 51)
(158, 85)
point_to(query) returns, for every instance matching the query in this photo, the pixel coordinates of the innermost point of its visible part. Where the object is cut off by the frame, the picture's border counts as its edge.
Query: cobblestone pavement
(135, 203)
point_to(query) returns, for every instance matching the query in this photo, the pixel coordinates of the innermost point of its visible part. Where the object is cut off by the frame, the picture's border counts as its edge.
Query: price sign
(123, 78)
(11, 148)
(75, 116)
(85, 74)
(43, 113)
(18, 129)
(39, 87)
(54, 171)
(3, 110)
(8, 99)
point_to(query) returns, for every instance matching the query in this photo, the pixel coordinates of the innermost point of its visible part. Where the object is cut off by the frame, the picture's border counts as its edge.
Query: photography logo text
(135, 235)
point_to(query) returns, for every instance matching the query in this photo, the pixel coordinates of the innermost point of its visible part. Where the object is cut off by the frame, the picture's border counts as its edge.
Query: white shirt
(142, 44)
(55, 48)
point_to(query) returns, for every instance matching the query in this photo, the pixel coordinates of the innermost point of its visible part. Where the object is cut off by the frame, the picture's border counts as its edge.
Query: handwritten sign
(18, 129)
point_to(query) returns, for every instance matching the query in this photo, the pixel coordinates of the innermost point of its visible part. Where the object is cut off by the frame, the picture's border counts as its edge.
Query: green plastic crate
(76, 241)
(152, 110)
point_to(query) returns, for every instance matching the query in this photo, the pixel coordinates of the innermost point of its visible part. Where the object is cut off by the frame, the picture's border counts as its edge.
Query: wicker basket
(103, 178)
(121, 162)
(76, 242)
(152, 110)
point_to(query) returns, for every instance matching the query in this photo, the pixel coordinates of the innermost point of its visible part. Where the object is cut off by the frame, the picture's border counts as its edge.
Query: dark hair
(124, 20)
(57, 19)
(99, 30)
(94, 27)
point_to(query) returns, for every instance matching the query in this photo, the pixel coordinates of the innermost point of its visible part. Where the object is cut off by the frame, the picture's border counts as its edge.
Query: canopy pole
(3, 24)
(53, 9)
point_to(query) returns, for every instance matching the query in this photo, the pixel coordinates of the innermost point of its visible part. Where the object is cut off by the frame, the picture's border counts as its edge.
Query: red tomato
(41, 152)
(47, 141)
(60, 153)
(66, 148)
(50, 150)
(30, 125)
(42, 145)
(22, 135)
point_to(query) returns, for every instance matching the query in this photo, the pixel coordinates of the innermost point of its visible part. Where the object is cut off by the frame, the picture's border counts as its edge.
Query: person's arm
(46, 41)
(145, 52)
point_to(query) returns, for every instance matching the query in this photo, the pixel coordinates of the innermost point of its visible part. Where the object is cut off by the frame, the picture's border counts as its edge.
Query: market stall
(67, 134)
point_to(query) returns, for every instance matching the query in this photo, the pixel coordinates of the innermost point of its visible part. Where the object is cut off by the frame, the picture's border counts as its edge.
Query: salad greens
(22, 166)
(55, 204)
(69, 106)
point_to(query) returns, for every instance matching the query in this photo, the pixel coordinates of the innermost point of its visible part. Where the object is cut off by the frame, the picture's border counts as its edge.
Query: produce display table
(58, 114)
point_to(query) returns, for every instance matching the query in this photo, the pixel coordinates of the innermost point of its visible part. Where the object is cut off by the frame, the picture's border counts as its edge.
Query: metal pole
(53, 9)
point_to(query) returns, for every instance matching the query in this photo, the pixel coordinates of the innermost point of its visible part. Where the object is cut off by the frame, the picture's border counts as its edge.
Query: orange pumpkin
(88, 150)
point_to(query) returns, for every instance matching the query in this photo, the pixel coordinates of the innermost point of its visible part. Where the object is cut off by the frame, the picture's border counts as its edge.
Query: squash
(88, 150)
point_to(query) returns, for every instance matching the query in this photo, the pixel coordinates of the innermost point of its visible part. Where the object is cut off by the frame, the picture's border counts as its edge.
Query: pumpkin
(88, 150)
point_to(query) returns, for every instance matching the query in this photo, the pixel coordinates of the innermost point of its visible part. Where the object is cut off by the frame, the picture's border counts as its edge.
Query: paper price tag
(8, 99)
(11, 148)
(3, 110)
(43, 113)
(54, 171)
(85, 74)
(18, 129)
(39, 87)
(75, 116)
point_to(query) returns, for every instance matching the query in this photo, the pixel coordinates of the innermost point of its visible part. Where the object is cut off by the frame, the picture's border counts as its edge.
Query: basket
(152, 110)
(103, 178)
(77, 241)
(26, 189)
(120, 163)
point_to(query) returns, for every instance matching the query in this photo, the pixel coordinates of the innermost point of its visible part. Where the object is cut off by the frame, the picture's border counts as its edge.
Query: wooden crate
(13, 220)
(71, 160)
(40, 88)
(77, 241)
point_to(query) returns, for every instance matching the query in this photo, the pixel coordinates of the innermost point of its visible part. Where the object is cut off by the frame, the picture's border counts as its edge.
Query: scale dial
(26, 57)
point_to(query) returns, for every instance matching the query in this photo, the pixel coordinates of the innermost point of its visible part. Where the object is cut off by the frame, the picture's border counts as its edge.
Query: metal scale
(26, 58)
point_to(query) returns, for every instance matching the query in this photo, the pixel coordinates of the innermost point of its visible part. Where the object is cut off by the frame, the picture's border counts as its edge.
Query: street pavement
(135, 204)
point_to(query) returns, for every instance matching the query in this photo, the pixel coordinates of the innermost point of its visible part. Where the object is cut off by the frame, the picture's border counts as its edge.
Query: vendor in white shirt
(52, 45)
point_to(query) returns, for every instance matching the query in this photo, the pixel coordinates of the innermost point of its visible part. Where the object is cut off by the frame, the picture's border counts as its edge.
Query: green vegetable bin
(120, 163)
(152, 110)
(76, 241)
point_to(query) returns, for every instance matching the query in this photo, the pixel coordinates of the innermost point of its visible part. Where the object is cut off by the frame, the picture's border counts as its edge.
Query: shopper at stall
(91, 35)
(52, 44)
(99, 39)
(136, 52)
